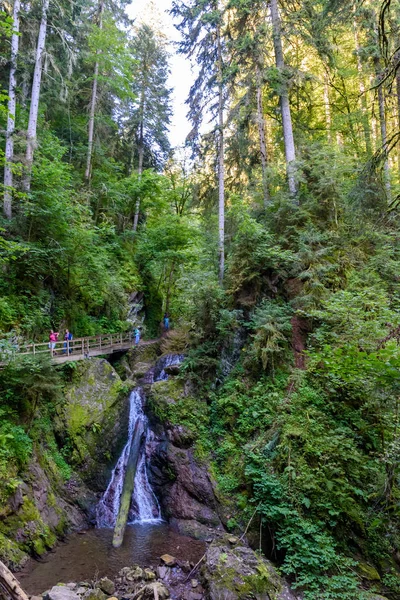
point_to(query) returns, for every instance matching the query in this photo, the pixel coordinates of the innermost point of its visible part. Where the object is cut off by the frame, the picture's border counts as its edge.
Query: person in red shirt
(52, 340)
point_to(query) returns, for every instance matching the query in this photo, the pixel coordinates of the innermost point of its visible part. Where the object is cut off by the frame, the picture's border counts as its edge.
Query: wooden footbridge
(81, 348)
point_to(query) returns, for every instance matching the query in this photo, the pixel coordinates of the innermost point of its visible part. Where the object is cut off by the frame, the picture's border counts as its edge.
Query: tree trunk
(328, 115)
(221, 166)
(363, 97)
(93, 103)
(262, 137)
(140, 155)
(9, 585)
(290, 152)
(127, 488)
(382, 123)
(9, 150)
(398, 109)
(35, 96)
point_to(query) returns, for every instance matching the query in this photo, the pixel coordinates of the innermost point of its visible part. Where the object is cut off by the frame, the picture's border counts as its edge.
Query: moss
(93, 420)
(28, 529)
(368, 572)
(10, 553)
(170, 404)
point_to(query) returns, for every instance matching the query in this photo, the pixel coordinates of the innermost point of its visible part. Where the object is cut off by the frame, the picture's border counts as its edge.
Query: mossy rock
(94, 420)
(368, 572)
(145, 354)
(11, 554)
(233, 573)
(28, 529)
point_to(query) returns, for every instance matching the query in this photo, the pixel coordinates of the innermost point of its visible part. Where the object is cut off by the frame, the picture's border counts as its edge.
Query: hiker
(53, 337)
(166, 321)
(136, 333)
(67, 337)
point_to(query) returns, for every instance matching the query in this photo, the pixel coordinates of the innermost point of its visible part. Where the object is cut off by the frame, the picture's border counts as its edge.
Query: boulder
(149, 575)
(94, 594)
(233, 573)
(61, 592)
(168, 560)
(94, 418)
(107, 586)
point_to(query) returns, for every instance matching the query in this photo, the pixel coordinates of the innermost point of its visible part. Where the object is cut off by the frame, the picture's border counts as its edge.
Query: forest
(271, 239)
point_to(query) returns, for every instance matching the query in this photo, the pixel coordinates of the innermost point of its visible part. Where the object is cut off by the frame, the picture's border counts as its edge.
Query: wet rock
(168, 560)
(134, 574)
(140, 369)
(194, 596)
(36, 597)
(149, 575)
(233, 540)
(61, 592)
(71, 585)
(172, 369)
(180, 436)
(184, 488)
(95, 594)
(107, 586)
(151, 591)
(233, 573)
(162, 572)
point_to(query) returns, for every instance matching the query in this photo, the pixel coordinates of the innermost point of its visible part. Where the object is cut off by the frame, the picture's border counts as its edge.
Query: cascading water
(144, 505)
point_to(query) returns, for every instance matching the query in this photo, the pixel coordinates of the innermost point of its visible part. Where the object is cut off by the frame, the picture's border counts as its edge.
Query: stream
(91, 556)
(88, 555)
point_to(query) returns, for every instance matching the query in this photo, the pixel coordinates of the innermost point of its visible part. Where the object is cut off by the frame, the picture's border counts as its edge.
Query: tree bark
(398, 108)
(363, 97)
(35, 97)
(382, 123)
(9, 585)
(127, 488)
(328, 114)
(290, 152)
(9, 150)
(140, 155)
(262, 137)
(221, 165)
(93, 102)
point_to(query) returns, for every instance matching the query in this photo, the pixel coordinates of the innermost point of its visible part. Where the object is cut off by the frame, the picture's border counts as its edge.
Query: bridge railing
(84, 345)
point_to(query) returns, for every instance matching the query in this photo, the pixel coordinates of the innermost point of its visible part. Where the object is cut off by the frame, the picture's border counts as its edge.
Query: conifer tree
(9, 151)
(150, 114)
(202, 28)
(35, 96)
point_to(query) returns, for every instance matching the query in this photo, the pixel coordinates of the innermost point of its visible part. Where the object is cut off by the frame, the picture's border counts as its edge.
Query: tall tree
(93, 100)
(288, 137)
(9, 151)
(201, 26)
(150, 114)
(35, 97)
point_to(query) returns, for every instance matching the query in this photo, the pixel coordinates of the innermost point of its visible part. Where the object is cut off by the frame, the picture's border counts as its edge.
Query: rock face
(181, 483)
(94, 416)
(38, 512)
(237, 572)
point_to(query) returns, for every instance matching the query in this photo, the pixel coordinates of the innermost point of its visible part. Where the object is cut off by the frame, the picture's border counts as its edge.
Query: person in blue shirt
(136, 333)
(67, 338)
(166, 321)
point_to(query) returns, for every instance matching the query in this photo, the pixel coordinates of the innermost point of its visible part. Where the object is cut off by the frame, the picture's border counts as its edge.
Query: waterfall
(144, 504)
